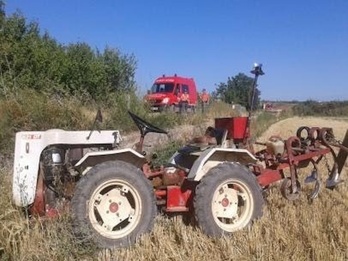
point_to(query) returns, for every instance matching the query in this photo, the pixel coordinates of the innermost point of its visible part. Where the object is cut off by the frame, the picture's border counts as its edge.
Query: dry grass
(299, 230)
(288, 231)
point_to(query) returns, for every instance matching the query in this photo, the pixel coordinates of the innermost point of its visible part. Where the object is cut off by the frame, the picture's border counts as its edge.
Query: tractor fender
(91, 159)
(214, 156)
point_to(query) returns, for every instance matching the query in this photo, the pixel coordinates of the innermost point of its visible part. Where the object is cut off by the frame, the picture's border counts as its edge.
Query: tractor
(113, 194)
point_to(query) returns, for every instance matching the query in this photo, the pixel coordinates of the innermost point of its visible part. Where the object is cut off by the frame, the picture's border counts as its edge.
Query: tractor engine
(57, 181)
(53, 165)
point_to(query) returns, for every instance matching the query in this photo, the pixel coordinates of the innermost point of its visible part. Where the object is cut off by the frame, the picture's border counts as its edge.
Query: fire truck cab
(166, 90)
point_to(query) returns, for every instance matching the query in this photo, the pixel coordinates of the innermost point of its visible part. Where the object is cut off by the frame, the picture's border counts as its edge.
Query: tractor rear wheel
(227, 199)
(113, 205)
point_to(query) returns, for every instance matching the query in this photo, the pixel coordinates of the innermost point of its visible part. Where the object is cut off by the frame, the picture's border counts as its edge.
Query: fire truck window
(162, 88)
(185, 88)
(177, 89)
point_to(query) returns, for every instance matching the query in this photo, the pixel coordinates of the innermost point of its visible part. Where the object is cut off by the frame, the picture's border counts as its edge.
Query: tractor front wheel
(113, 205)
(227, 199)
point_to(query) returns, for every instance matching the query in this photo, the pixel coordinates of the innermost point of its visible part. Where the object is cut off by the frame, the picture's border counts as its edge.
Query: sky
(303, 45)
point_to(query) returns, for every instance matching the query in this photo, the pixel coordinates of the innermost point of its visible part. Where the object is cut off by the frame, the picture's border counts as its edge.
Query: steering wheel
(144, 126)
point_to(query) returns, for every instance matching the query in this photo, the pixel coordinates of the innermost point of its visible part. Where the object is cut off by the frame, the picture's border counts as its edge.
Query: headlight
(165, 100)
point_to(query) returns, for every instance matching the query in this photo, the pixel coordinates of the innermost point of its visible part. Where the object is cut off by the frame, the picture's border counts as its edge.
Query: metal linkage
(309, 146)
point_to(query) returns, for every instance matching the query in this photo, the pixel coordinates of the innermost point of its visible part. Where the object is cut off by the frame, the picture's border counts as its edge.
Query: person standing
(184, 101)
(204, 99)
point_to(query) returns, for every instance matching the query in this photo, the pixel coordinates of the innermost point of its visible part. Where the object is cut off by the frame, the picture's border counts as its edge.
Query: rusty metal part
(309, 145)
(343, 153)
(314, 134)
(38, 207)
(151, 172)
(289, 191)
(268, 176)
(326, 136)
(175, 178)
(303, 130)
(293, 147)
(329, 139)
(313, 178)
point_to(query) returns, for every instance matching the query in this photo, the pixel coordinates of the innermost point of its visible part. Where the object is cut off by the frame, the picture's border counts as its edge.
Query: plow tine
(315, 191)
(334, 178)
(312, 178)
(343, 153)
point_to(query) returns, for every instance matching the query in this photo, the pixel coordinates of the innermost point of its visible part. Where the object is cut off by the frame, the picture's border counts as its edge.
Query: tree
(2, 12)
(120, 70)
(238, 89)
(30, 59)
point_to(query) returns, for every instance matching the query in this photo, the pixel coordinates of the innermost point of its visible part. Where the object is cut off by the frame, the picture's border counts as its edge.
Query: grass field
(297, 230)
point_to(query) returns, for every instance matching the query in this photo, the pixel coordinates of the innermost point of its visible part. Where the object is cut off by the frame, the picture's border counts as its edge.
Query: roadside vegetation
(315, 108)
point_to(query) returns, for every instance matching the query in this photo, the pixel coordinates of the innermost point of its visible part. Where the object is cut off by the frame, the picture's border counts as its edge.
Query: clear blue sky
(303, 45)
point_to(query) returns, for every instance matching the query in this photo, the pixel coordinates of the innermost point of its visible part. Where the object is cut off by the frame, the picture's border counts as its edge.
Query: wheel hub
(113, 207)
(225, 203)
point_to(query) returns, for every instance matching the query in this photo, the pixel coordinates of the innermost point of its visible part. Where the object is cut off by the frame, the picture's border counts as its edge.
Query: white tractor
(114, 194)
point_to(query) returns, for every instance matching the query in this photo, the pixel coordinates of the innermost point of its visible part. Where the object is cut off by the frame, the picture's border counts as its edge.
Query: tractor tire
(113, 205)
(227, 199)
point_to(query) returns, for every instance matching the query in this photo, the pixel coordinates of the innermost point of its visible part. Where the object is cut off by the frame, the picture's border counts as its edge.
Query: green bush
(314, 108)
(31, 110)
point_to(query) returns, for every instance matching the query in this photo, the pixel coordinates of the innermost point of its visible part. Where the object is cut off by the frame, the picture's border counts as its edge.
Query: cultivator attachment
(309, 146)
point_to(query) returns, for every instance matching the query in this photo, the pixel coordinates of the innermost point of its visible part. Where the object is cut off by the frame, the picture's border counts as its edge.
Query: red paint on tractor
(268, 176)
(236, 126)
(177, 199)
(38, 207)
